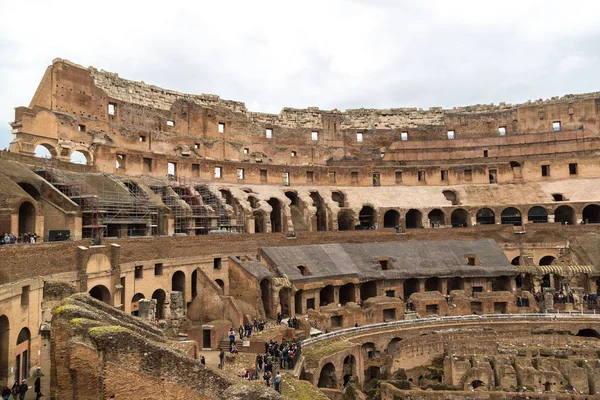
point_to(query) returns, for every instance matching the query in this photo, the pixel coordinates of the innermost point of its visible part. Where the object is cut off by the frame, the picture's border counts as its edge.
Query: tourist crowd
(9, 238)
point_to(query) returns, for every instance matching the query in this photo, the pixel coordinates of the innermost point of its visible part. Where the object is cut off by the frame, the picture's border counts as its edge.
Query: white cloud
(333, 54)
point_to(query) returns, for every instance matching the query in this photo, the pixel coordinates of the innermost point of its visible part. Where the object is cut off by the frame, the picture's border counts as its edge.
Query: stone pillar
(317, 300)
(336, 295)
(444, 286)
(421, 285)
(356, 293)
(147, 309)
(549, 298)
(177, 305)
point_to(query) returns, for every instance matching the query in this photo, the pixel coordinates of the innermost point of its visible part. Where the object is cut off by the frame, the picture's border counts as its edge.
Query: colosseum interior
(397, 253)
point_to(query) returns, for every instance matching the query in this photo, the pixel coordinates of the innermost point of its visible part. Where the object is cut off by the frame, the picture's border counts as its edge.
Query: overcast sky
(327, 53)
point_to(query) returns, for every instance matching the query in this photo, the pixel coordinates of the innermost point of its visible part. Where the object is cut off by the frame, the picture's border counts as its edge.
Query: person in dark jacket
(6, 392)
(23, 389)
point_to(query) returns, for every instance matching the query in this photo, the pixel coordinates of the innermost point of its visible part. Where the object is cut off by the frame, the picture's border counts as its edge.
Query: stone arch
(436, 217)
(345, 220)
(588, 332)
(537, 215)
(259, 222)
(23, 354)
(349, 368)
(227, 196)
(459, 218)
(221, 285)
(135, 301)
(414, 219)
(265, 296)
(516, 260)
(391, 219)
(485, 216)
(393, 346)
(410, 286)
(327, 378)
(160, 296)
(27, 215)
(45, 150)
(254, 201)
(565, 215)
(591, 214)
(276, 220)
(367, 217)
(178, 283)
(326, 295)
(511, 216)
(100, 292)
(97, 263)
(477, 384)
(347, 293)
(4, 346)
(451, 196)
(321, 212)
(339, 198)
(293, 196)
(80, 157)
(368, 289)
(547, 260)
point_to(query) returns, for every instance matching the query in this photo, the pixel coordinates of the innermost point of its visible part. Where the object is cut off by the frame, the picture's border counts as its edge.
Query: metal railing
(460, 318)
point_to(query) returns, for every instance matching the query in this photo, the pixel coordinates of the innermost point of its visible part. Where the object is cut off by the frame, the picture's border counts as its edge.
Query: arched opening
(4, 344)
(293, 196)
(369, 351)
(433, 284)
(259, 222)
(477, 384)
(327, 377)
(178, 283)
(339, 198)
(276, 225)
(410, 286)
(349, 368)
(221, 285)
(591, 333)
(451, 196)
(284, 301)
(393, 346)
(345, 220)
(22, 355)
(436, 218)
(391, 219)
(160, 296)
(326, 295)
(227, 196)
(516, 260)
(511, 216)
(547, 260)
(265, 296)
(591, 214)
(366, 218)
(456, 283)
(368, 290)
(135, 303)
(26, 218)
(321, 212)
(100, 292)
(414, 219)
(537, 215)
(77, 157)
(253, 201)
(347, 294)
(485, 216)
(30, 190)
(459, 218)
(194, 284)
(298, 302)
(44, 151)
(502, 283)
(547, 387)
(564, 215)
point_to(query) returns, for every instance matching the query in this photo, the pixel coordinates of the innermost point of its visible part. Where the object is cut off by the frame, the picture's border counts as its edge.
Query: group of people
(284, 355)
(18, 391)
(522, 301)
(9, 238)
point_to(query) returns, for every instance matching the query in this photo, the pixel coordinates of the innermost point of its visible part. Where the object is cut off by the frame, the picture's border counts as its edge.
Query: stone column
(177, 308)
(147, 309)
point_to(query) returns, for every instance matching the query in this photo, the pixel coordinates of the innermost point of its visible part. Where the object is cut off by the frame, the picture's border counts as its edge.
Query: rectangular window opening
(545, 170)
(268, 133)
(502, 131)
(451, 135)
(286, 179)
(404, 136)
(354, 177)
(468, 174)
(315, 135)
(398, 176)
(573, 169)
(293, 153)
(359, 137)
(376, 179)
(246, 150)
(217, 263)
(390, 293)
(121, 158)
(172, 169)
(493, 175)
(139, 272)
(421, 176)
(556, 127)
(142, 138)
(158, 269)
(112, 107)
(444, 175)
(381, 155)
(240, 173)
(196, 170)
(196, 146)
(389, 314)
(170, 122)
(384, 264)
(25, 295)
(309, 176)
(485, 153)
(221, 127)
(263, 175)
(147, 164)
(332, 177)
(81, 128)
(218, 172)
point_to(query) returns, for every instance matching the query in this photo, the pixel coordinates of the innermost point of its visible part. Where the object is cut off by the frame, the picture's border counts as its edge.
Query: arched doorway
(259, 222)
(547, 260)
(436, 218)
(537, 215)
(591, 214)
(347, 293)
(265, 295)
(516, 260)
(393, 346)
(367, 218)
(44, 151)
(77, 157)
(227, 196)
(293, 196)
(284, 301)
(368, 290)
(485, 216)
(345, 220)
(391, 219)
(135, 303)
(4, 344)
(276, 225)
(100, 292)
(253, 201)
(410, 286)
(26, 218)
(178, 283)
(321, 213)
(160, 296)
(326, 295)
(327, 377)
(459, 218)
(221, 285)
(511, 216)
(349, 368)
(22, 355)
(564, 215)
(339, 198)
(414, 219)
